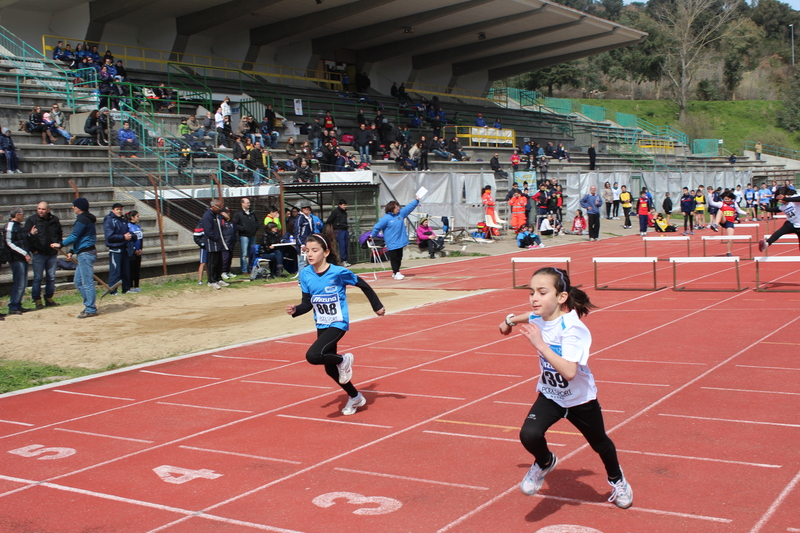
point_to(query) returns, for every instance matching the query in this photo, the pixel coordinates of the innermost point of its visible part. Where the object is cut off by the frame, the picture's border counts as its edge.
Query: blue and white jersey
(328, 296)
(136, 230)
(792, 212)
(764, 196)
(569, 338)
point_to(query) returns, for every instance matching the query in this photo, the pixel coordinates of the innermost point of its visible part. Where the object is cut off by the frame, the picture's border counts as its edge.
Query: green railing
(708, 147)
(562, 106)
(626, 120)
(593, 112)
(776, 151)
(137, 97)
(667, 132)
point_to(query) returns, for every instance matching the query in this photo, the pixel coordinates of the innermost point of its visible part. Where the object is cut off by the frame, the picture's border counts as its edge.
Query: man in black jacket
(361, 141)
(247, 226)
(44, 229)
(592, 157)
(210, 235)
(115, 228)
(18, 259)
(494, 163)
(338, 221)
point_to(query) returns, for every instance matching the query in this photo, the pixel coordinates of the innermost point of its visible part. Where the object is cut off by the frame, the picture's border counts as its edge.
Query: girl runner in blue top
(566, 388)
(323, 288)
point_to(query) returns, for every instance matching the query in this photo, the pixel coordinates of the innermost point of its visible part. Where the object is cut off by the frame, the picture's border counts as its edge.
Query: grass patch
(15, 375)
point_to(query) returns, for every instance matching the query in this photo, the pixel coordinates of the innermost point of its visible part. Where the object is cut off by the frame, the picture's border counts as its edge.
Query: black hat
(81, 203)
(342, 201)
(116, 205)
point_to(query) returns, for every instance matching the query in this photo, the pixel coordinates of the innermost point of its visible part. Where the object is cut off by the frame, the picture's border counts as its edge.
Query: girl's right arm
(512, 320)
(303, 308)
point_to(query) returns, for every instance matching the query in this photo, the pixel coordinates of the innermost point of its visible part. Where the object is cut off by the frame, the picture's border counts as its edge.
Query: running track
(701, 393)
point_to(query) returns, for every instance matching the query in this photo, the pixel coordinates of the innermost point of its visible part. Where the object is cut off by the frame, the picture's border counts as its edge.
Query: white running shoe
(231, 276)
(346, 369)
(346, 264)
(353, 404)
(214, 286)
(398, 276)
(621, 493)
(534, 479)
(714, 227)
(225, 275)
(223, 283)
(542, 246)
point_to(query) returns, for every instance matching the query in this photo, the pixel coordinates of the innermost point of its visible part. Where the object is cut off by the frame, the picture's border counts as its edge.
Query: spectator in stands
(494, 163)
(306, 153)
(383, 127)
(424, 148)
(550, 150)
(92, 127)
(106, 122)
(439, 147)
(166, 98)
(9, 152)
(109, 64)
(268, 132)
(257, 161)
(396, 153)
(117, 236)
(361, 141)
(210, 128)
(128, 143)
(37, 125)
(225, 133)
(304, 173)
(361, 118)
(315, 134)
(515, 159)
(219, 123)
(456, 151)
(58, 50)
(247, 226)
(732, 159)
(328, 122)
(94, 55)
(66, 55)
(562, 153)
(121, 72)
(479, 122)
(393, 91)
(401, 94)
(79, 51)
(59, 121)
(105, 81)
(404, 136)
(592, 157)
(497, 124)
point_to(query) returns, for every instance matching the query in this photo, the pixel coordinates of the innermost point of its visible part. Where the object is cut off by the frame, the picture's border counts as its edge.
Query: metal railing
(776, 151)
(137, 57)
(707, 147)
(141, 97)
(593, 112)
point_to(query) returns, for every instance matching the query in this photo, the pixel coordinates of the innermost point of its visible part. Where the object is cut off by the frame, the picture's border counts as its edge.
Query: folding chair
(375, 252)
(491, 225)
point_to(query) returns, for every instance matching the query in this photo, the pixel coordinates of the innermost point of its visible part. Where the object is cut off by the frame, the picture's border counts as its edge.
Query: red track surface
(700, 392)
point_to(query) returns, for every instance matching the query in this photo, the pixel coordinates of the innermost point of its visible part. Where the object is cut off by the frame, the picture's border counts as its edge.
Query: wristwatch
(510, 316)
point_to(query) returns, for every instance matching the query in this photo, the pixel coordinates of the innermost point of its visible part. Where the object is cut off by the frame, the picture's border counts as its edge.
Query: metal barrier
(593, 112)
(707, 147)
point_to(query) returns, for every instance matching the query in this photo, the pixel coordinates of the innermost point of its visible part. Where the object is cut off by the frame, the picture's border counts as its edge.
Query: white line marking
(646, 361)
(732, 420)
(641, 509)
(204, 407)
(409, 394)
(748, 390)
(793, 529)
(241, 455)
(778, 501)
(381, 367)
(406, 478)
(102, 435)
(16, 423)
(513, 354)
(252, 358)
(291, 342)
(17, 480)
(516, 441)
(335, 421)
(93, 395)
(175, 375)
(471, 373)
(526, 404)
(629, 383)
(767, 367)
(394, 349)
(286, 384)
(762, 465)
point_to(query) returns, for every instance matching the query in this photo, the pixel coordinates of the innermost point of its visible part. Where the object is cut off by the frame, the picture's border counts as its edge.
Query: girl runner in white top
(789, 203)
(566, 388)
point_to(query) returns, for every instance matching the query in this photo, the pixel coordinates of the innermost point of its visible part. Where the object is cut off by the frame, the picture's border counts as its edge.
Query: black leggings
(688, 221)
(323, 352)
(608, 209)
(136, 268)
(395, 258)
(783, 230)
(627, 211)
(587, 417)
(615, 211)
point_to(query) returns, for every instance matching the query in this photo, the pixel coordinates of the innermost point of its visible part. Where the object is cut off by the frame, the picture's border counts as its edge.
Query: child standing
(567, 388)
(626, 198)
(135, 249)
(643, 210)
(699, 208)
(687, 208)
(323, 288)
(667, 206)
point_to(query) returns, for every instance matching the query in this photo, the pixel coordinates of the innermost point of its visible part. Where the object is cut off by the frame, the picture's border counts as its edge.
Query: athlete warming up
(323, 288)
(789, 203)
(567, 388)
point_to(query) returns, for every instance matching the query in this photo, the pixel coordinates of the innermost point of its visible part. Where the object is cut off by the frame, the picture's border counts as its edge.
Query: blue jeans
(43, 266)
(272, 140)
(19, 273)
(258, 177)
(364, 152)
(84, 280)
(317, 144)
(275, 255)
(244, 253)
(343, 240)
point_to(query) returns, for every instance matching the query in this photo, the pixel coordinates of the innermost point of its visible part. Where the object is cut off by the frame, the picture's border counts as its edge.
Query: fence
(707, 147)
(777, 151)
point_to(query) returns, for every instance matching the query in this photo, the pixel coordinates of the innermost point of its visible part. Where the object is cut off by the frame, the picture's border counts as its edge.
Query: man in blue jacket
(591, 203)
(128, 143)
(115, 229)
(83, 239)
(303, 227)
(393, 226)
(211, 238)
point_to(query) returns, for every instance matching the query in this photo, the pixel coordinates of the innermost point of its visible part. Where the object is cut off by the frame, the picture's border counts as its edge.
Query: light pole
(791, 28)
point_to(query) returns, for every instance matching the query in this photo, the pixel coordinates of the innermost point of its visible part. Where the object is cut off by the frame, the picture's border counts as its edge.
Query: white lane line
(394, 349)
(93, 395)
(750, 390)
(17, 480)
(514, 354)
(483, 437)
(646, 361)
(775, 504)
(793, 529)
(409, 394)
(635, 508)
(292, 342)
(526, 404)
(629, 383)
(471, 373)
(743, 463)
(767, 367)
(176, 375)
(381, 367)
(16, 423)
(758, 422)
(204, 407)
(241, 455)
(103, 435)
(252, 358)
(335, 421)
(406, 478)
(286, 384)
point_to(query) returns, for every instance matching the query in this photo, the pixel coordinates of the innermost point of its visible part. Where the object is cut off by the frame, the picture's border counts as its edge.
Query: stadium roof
(499, 37)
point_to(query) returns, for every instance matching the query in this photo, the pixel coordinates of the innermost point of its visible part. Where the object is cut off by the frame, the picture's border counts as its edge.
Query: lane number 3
(384, 505)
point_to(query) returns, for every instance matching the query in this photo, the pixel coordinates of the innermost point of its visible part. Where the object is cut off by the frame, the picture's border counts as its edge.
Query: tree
(639, 62)
(690, 29)
(789, 118)
(556, 76)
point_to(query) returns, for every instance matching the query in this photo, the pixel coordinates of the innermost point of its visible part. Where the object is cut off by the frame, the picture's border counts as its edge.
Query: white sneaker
(223, 283)
(231, 276)
(542, 246)
(398, 276)
(224, 275)
(214, 286)
(621, 493)
(346, 369)
(534, 479)
(199, 282)
(353, 404)
(346, 264)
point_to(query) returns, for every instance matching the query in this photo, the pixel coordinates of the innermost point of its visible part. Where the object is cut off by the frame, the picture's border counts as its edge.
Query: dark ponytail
(576, 299)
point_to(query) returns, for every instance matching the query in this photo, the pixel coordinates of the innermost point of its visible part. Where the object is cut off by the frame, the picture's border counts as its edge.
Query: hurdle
(789, 237)
(676, 260)
(774, 259)
(662, 239)
(653, 260)
(746, 225)
(774, 220)
(723, 238)
(515, 260)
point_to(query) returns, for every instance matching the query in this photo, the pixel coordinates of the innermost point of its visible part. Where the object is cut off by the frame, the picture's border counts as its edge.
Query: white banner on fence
(491, 136)
(346, 177)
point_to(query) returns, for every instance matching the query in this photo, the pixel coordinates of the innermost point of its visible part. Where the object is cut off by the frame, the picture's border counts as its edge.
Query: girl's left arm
(369, 292)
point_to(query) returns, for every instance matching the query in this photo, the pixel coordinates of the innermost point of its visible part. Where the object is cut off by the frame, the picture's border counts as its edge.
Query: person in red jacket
(489, 203)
